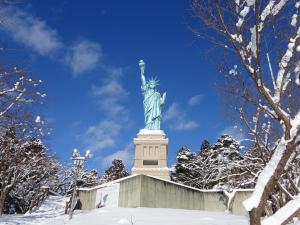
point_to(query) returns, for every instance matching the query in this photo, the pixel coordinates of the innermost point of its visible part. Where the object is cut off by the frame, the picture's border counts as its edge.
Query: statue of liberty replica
(153, 102)
(151, 143)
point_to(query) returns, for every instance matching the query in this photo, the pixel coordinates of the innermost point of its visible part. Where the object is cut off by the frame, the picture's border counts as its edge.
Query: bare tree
(24, 168)
(34, 170)
(262, 39)
(22, 160)
(20, 97)
(63, 182)
(19, 124)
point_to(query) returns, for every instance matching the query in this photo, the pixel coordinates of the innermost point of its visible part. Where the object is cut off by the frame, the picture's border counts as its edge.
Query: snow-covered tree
(89, 178)
(115, 171)
(258, 50)
(24, 168)
(182, 171)
(220, 163)
(220, 166)
(20, 97)
(41, 170)
(204, 145)
(24, 164)
(18, 126)
(63, 182)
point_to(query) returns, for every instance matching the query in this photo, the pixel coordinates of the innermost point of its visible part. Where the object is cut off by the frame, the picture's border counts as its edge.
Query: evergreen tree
(219, 162)
(88, 178)
(116, 171)
(220, 165)
(183, 172)
(204, 145)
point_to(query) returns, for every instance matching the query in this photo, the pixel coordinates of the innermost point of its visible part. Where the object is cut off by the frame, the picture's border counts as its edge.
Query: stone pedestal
(151, 151)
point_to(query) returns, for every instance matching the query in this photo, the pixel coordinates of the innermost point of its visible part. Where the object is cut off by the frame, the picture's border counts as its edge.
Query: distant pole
(78, 164)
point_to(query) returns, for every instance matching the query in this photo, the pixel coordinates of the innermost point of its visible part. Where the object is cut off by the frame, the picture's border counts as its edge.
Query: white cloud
(83, 56)
(185, 125)
(126, 155)
(113, 72)
(101, 136)
(195, 100)
(234, 132)
(111, 88)
(177, 118)
(172, 112)
(106, 134)
(31, 31)
(111, 93)
(34, 33)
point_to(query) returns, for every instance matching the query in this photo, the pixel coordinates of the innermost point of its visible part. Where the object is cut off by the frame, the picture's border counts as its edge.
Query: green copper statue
(153, 102)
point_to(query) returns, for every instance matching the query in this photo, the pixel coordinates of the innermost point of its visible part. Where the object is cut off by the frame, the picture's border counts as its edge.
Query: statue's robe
(152, 108)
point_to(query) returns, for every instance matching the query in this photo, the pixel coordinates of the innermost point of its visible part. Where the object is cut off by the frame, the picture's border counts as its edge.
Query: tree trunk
(2, 200)
(3, 195)
(254, 217)
(256, 213)
(230, 202)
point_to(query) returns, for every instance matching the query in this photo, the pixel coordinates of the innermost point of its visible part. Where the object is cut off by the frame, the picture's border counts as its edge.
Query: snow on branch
(295, 15)
(281, 82)
(276, 9)
(256, 29)
(271, 9)
(267, 11)
(11, 104)
(272, 165)
(285, 213)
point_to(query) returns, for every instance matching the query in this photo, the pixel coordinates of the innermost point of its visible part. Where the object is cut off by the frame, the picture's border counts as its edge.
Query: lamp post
(78, 164)
(225, 160)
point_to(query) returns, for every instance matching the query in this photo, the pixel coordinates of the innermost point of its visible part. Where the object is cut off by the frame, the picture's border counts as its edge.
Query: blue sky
(87, 55)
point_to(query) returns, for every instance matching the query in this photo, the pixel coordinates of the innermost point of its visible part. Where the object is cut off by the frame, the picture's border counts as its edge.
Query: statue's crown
(153, 80)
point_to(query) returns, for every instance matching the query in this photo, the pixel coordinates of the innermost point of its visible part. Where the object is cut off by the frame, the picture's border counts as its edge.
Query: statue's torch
(142, 66)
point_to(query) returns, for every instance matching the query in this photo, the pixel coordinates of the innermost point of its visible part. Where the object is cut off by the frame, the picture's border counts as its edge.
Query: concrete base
(151, 150)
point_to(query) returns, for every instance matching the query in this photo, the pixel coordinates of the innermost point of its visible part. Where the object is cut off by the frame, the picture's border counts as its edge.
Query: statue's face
(152, 85)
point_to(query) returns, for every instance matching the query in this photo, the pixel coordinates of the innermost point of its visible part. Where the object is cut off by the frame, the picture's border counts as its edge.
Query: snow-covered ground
(52, 213)
(53, 207)
(151, 216)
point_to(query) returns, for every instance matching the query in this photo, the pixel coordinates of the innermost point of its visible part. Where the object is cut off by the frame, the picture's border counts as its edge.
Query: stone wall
(163, 194)
(130, 189)
(240, 196)
(151, 192)
(87, 199)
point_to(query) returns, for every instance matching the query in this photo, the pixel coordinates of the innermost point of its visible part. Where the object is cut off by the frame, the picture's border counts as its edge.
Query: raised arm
(163, 99)
(142, 67)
